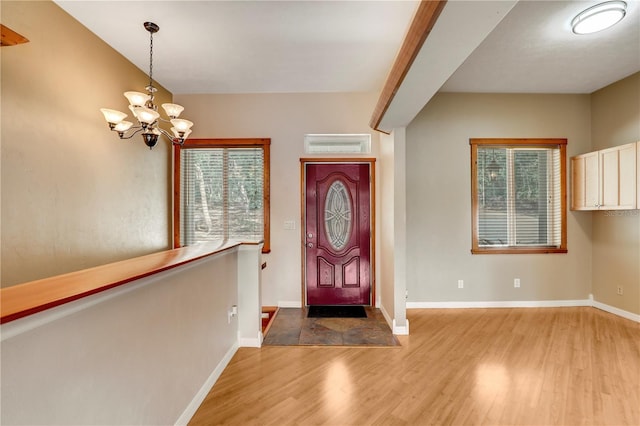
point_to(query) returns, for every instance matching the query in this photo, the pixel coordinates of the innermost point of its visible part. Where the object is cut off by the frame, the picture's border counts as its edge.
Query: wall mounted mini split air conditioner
(337, 143)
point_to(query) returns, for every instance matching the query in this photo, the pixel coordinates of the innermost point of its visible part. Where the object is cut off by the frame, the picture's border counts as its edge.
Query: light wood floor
(569, 366)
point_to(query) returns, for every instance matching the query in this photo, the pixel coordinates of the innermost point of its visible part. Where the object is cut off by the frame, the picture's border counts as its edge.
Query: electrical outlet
(460, 283)
(516, 282)
(620, 290)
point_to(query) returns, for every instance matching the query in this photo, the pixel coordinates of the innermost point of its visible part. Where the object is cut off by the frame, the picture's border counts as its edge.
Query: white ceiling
(434, 64)
(534, 51)
(255, 46)
(345, 46)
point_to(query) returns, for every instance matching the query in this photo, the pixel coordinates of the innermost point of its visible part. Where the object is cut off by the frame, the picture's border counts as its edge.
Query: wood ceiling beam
(423, 21)
(10, 37)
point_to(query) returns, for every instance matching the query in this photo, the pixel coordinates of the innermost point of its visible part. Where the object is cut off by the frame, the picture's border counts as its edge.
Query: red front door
(337, 234)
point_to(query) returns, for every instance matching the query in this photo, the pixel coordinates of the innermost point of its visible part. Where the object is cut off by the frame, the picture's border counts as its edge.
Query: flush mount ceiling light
(146, 112)
(599, 17)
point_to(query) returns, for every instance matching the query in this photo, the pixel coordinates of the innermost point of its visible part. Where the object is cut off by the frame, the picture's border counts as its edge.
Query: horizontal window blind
(518, 197)
(221, 194)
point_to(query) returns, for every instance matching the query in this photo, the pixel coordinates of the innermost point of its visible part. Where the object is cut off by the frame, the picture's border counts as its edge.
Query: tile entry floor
(291, 327)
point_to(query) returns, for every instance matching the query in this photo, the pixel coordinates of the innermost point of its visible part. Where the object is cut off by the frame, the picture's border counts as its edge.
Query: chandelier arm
(174, 140)
(124, 135)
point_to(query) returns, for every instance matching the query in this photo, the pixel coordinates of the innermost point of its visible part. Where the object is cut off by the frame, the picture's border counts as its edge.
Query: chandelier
(146, 112)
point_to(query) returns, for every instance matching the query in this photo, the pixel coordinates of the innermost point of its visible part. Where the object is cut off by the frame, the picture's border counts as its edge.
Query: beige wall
(615, 112)
(145, 353)
(439, 200)
(73, 194)
(285, 118)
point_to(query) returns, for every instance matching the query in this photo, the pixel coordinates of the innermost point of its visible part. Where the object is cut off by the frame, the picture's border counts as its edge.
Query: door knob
(310, 245)
(310, 235)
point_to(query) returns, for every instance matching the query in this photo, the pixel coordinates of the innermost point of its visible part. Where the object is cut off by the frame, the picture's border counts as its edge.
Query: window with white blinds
(519, 202)
(223, 192)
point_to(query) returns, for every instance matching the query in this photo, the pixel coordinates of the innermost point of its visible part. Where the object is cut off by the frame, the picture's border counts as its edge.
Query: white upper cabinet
(584, 177)
(606, 179)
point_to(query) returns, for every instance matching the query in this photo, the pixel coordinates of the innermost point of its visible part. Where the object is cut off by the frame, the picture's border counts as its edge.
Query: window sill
(518, 250)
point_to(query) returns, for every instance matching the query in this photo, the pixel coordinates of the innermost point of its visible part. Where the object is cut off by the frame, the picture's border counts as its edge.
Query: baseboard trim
(527, 304)
(500, 304)
(401, 331)
(386, 316)
(616, 311)
(195, 403)
(250, 342)
(289, 304)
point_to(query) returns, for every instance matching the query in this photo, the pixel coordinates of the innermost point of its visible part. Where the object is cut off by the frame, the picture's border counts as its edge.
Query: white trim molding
(500, 304)
(386, 316)
(195, 403)
(289, 304)
(401, 331)
(526, 304)
(251, 342)
(616, 311)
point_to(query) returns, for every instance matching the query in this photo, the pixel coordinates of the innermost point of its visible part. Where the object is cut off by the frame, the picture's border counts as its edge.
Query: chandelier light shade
(599, 17)
(146, 112)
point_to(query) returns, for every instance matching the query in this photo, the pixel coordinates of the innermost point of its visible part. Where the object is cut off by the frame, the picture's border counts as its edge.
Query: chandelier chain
(150, 59)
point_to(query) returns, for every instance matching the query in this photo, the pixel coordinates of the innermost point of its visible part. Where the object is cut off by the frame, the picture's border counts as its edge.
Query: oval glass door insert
(337, 215)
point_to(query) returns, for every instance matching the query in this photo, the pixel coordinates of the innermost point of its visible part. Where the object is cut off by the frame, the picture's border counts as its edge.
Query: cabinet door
(584, 179)
(577, 183)
(627, 176)
(609, 185)
(591, 179)
(618, 178)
